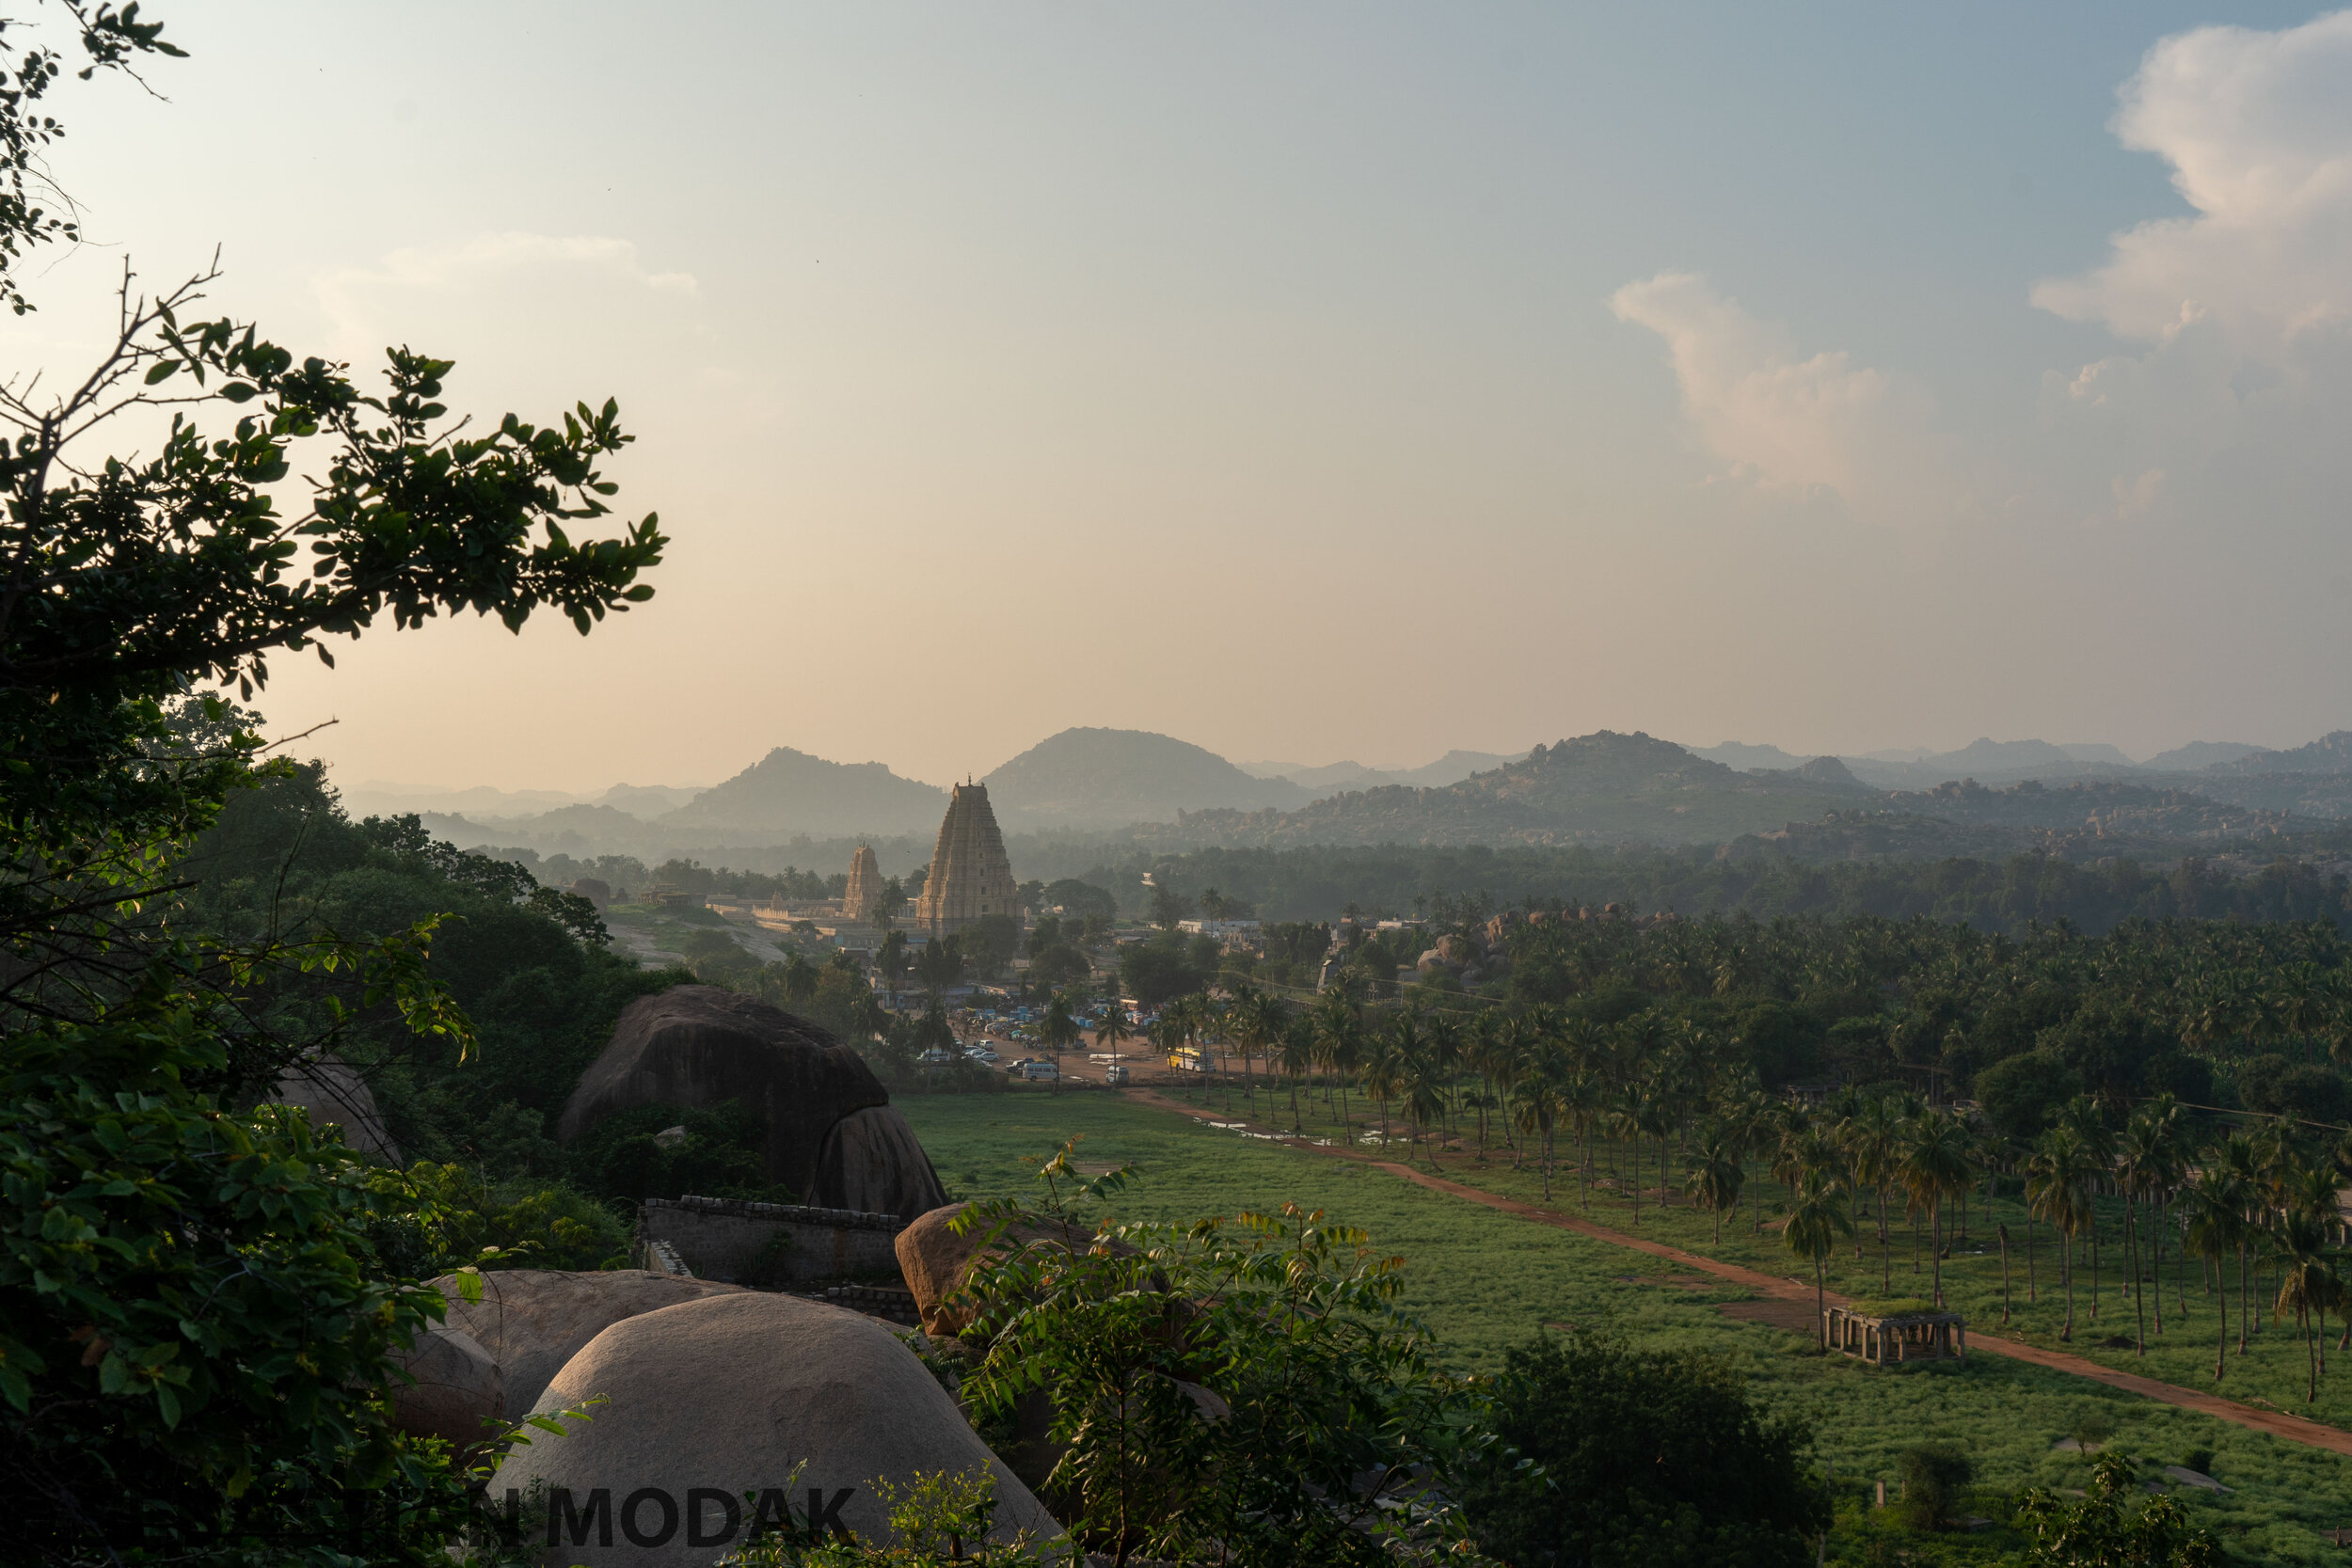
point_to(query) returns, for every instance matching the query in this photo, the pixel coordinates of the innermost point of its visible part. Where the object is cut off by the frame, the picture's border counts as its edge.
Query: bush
(723, 1154)
(1935, 1474)
(1647, 1457)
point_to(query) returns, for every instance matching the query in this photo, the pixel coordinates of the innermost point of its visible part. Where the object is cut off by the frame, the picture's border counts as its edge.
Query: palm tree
(1535, 1108)
(2308, 1283)
(1339, 1043)
(2213, 1205)
(2000, 1233)
(1299, 1055)
(1936, 1166)
(1422, 1096)
(1715, 1175)
(2054, 1179)
(1256, 1021)
(1816, 1219)
(1871, 1143)
(1059, 1030)
(1113, 1028)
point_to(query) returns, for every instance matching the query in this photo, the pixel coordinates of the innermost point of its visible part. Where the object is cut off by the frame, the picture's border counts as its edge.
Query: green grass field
(1483, 1281)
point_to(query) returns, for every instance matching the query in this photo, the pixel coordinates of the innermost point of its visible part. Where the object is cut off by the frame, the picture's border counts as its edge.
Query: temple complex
(866, 886)
(970, 876)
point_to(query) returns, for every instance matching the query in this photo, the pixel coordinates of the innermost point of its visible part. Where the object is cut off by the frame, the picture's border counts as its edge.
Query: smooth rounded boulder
(801, 1405)
(700, 1046)
(531, 1321)
(873, 1163)
(934, 1259)
(458, 1394)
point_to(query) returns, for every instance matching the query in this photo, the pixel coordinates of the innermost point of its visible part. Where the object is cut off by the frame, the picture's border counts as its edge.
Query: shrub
(1646, 1457)
(1934, 1475)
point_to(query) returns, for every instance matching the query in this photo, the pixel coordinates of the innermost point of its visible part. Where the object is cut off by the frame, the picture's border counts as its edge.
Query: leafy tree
(1933, 1476)
(1247, 1387)
(2098, 1531)
(1642, 1459)
(196, 1316)
(1160, 971)
(2022, 1094)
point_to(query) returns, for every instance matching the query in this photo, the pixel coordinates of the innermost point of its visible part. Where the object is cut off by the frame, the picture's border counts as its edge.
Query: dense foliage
(1243, 1391)
(1993, 893)
(1650, 1460)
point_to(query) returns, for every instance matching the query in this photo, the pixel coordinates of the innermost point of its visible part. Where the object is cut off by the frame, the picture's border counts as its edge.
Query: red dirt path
(2294, 1429)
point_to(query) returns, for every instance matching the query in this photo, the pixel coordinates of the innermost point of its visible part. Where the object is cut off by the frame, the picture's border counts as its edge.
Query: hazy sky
(1316, 381)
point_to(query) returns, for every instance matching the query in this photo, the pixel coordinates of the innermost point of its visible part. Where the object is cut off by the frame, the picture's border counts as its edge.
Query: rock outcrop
(872, 1161)
(458, 1393)
(696, 1046)
(334, 1095)
(707, 1400)
(530, 1321)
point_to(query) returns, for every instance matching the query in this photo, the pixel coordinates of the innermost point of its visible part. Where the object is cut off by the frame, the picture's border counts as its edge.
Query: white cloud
(2258, 130)
(1793, 425)
(487, 262)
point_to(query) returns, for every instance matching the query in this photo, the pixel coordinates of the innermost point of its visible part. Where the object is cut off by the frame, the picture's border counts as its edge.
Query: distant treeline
(1317, 883)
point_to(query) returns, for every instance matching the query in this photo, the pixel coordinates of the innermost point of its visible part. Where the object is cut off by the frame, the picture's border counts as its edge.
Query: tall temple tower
(970, 874)
(866, 886)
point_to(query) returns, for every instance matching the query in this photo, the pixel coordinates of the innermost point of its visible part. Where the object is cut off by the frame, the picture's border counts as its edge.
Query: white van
(1115, 1075)
(1041, 1072)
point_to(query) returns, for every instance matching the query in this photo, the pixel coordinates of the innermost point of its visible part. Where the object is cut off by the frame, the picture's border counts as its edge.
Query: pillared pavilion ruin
(866, 886)
(971, 876)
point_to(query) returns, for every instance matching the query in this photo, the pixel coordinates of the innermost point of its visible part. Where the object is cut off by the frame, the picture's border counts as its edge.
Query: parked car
(1115, 1075)
(980, 1052)
(938, 1055)
(1040, 1072)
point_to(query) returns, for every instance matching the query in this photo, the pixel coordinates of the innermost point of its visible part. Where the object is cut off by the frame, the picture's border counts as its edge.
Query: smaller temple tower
(866, 886)
(971, 876)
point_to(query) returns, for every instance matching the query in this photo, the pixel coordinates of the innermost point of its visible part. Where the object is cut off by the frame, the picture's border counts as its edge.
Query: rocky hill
(1598, 789)
(789, 792)
(2329, 753)
(1093, 779)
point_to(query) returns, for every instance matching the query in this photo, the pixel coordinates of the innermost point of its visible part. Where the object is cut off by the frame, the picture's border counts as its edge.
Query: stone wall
(771, 1245)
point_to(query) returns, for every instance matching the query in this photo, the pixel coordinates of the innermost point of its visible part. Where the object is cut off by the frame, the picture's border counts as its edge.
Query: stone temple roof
(971, 876)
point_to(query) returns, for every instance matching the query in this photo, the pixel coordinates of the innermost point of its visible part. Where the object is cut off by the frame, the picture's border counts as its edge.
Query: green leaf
(161, 370)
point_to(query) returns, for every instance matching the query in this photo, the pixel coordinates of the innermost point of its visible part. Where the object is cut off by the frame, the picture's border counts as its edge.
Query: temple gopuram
(971, 877)
(866, 886)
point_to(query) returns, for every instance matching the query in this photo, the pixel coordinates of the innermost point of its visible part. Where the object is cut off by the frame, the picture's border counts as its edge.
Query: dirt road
(2294, 1429)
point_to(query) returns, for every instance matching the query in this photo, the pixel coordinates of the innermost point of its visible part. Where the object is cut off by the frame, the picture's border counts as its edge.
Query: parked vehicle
(1115, 1075)
(938, 1055)
(980, 1052)
(1041, 1072)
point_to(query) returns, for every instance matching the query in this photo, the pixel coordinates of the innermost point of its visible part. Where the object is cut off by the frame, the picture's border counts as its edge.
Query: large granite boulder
(872, 1161)
(934, 1259)
(333, 1093)
(697, 1046)
(712, 1398)
(531, 1321)
(456, 1393)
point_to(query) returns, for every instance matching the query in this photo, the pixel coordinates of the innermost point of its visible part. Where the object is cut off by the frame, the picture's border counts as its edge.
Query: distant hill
(1333, 777)
(2198, 755)
(1453, 767)
(1089, 778)
(2329, 753)
(2097, 752)
(1734, 754)
(1598, 789)
(645, 800)
(791, 792)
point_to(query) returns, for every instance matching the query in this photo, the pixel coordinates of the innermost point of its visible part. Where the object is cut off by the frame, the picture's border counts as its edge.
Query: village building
(970, 877)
